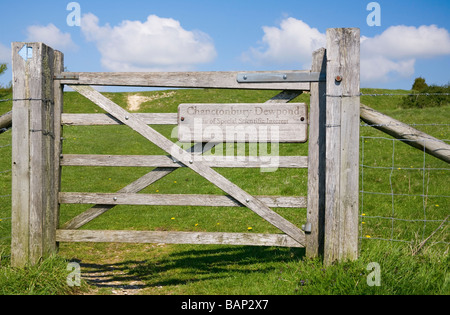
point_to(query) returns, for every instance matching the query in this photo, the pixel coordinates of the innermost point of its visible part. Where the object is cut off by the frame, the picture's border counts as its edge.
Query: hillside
(411, 201)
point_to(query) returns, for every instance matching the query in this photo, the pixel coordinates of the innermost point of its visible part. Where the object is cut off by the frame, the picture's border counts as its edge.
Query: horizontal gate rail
(213, 80)
(167, 161)
(105, 119)
(155, 237)
(175, 200)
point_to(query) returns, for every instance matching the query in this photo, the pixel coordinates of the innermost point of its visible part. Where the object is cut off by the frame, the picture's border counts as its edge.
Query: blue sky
(208, 35)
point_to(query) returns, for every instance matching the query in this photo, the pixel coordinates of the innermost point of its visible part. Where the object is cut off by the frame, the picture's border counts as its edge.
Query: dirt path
(111, 277)
(135, 101)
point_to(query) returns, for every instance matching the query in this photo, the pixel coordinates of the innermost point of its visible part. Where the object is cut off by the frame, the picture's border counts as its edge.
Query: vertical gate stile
(316, 159)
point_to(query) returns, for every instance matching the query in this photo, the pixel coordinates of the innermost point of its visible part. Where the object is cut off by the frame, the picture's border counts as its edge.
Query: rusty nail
(338, 78)
(182, 118)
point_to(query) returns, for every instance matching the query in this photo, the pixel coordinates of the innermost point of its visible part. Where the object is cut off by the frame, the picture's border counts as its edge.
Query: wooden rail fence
(332, 132)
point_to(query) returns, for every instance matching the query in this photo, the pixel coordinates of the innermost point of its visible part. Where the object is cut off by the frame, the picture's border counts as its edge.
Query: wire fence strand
(387, 212)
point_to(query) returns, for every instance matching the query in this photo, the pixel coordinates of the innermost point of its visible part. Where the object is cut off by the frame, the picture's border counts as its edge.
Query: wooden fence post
(342, 145)
(35, 156)
(316, 159)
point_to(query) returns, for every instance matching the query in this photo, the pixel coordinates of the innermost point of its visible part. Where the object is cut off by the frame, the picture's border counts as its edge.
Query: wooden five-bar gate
(331, 128)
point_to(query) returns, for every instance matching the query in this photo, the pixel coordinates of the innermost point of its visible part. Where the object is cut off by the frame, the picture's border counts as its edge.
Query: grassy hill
(412, 188)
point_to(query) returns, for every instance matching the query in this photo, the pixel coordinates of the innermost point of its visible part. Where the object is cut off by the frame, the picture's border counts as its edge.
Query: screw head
(115, 198)
(338, 78)
(126, 117)
(191, 162)
(182, 118)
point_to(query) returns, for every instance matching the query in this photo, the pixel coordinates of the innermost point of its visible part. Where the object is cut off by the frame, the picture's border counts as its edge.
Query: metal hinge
(281, 77)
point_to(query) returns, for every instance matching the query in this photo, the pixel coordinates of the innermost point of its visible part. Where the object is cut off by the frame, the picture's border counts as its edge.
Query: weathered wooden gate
(332, 162)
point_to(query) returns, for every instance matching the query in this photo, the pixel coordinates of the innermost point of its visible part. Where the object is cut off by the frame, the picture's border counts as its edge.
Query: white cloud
(292, 43)
(394, 52)
(399, 42)
(384, 57)
(156, 44)
(5, 54)
(51, 36)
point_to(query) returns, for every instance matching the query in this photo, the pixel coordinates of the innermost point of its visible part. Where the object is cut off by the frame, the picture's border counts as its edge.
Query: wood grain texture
(33, 166)
(411, 136)
(148, 179)
(167, 161)
(252, 122)
(166, 237)
(215, 80)
(105, 119)
(175, 200)
(342, 145)
(316, 159)
(208, 173)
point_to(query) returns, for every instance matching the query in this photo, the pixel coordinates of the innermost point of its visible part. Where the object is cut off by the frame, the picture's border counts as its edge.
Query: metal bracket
(66, 76)
(26, 52)
(281, 77)
(306, 227)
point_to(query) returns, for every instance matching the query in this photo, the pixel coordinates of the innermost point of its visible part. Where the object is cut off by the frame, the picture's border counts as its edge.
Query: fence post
(342, 145)
(34, 143)
(316, 159)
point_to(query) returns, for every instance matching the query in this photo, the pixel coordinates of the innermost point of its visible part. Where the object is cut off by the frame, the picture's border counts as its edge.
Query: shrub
(430, 96)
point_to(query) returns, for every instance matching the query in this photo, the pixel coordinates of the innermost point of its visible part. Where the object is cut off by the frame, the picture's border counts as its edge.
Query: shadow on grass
(188, 266)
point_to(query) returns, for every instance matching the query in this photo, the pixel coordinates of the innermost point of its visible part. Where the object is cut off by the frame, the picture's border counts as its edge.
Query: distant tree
(419, 84)
(3, 68)
(429, 96)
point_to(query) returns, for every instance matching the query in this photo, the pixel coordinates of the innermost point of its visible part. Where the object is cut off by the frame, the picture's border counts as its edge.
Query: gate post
(35, 152)
(342, 145)
(316, 159)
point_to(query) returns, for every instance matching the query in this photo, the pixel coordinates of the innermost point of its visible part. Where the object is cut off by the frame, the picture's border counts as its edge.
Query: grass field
(397, 182)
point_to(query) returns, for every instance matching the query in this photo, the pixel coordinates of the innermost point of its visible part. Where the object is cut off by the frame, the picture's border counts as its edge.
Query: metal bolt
(191, 162)
(248, 200)
(126, 117)
(338, 78)
(302, 119)
(182, 118)
(245, 77)
(115, 198)
(284, 77)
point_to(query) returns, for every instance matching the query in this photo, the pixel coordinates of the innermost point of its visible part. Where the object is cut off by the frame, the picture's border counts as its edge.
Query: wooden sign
(274, 122)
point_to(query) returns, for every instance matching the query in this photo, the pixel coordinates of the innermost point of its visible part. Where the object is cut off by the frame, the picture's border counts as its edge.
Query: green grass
(189, 269)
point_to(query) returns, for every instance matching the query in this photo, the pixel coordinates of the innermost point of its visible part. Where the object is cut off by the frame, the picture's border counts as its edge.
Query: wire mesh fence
(404, 191)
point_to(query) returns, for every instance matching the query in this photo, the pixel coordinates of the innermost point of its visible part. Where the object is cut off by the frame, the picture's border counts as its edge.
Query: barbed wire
(402, 94)
(402, 124)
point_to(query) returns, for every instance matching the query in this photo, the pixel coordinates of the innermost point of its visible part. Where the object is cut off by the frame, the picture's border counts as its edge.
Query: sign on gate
(275, 122)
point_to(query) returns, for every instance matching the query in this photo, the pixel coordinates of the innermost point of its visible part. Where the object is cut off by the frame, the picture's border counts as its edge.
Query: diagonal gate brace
(186, 158)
